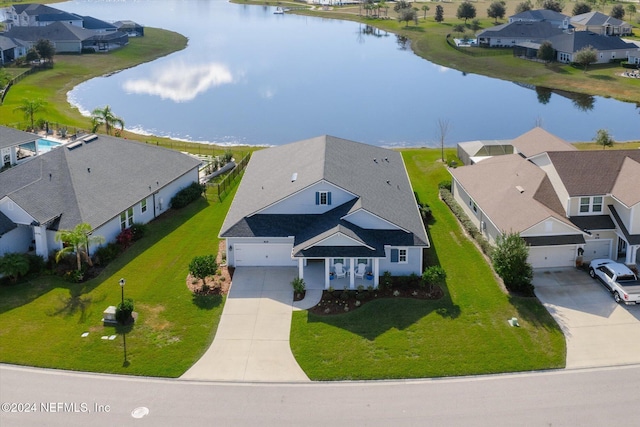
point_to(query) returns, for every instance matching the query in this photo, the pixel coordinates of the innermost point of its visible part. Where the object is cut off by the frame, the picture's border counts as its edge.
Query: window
(338, 261)
(143, 206)
(591, 204)
(399, 256)
(126, 219)
(323, 197)
(364, 261)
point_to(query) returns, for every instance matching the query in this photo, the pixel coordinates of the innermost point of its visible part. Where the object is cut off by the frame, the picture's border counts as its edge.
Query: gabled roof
(9, 43)
(627, 185)
(91, 23)
(57, 16)
(594, 173)
(596, 18)
(58, 31)
(92, 182)
(35, 8)
(538, 140)
(6, 224)
(577, 40)
(10, 137)
(522, 29)
(376, 176)
(495, 185)
(539, 15)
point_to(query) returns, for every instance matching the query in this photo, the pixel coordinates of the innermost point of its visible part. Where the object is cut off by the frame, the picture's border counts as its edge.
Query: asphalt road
(590, 397)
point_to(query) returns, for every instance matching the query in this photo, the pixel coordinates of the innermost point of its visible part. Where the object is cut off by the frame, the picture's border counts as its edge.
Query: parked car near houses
(618, 279)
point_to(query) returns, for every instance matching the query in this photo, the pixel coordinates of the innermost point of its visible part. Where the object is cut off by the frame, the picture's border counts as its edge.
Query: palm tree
(29, 108)
(105, 116)
(14, 265)
(425, 8)
(77, 241)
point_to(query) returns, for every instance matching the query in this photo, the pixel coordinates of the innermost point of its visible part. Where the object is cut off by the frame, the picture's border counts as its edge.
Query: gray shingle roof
(593, 222)
(590, 173)
(6, 224)
(377, 177)
(58, 31)
(539, 15)
(595, 18)
(563, 239)
(518, 29)
(580, 39)
(91, 23)
(93, 182)
(10, 137)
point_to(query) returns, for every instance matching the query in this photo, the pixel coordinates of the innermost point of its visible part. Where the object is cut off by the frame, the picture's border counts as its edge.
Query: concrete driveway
(598, 331)
(252, 341)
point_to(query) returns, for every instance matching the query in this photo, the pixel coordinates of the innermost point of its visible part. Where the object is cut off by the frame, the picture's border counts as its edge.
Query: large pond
(249, 76)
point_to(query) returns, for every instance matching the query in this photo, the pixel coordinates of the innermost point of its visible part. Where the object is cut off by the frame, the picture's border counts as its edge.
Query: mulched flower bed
(217, 284)
(338, 302)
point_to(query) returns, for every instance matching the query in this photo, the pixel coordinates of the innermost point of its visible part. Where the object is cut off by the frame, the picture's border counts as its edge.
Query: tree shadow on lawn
(77, 301)
(207, 302)
(531, 310)
(601, 77)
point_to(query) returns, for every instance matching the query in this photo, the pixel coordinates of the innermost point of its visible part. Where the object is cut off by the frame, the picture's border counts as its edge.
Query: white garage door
(263, 254)
(597, 249)
(552, 256)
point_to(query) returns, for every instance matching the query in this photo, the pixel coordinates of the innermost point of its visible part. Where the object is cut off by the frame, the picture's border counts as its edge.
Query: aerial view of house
(107, 182)
(341, 206)
(569, 205)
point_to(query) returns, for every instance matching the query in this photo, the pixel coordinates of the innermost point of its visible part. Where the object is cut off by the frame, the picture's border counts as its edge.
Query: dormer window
(591, 204)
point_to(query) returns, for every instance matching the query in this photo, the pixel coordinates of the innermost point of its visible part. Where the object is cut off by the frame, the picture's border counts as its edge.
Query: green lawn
(41, 321)
(464, 333)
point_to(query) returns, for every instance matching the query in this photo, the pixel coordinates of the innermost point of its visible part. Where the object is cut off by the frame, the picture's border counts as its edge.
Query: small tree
(77, 241)
(510, 262)
(617, 11)
(434, 275)
(555, 5)
(32, 55)
(524, 6)
(14, 265)
(581, 8)
(631, 8)
(546, 52)
(439, 16)
(466, 10)
(407, 14)
(443, 130)
(586, 56)
(459, 28)
(203, 266)
(401, 4)
(475, 24)
(45, 49)
(496, 10)
(603, 138)
(30, 107)
(425, 8)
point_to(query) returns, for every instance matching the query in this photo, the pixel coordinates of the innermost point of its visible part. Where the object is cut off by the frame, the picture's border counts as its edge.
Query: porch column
(301, 268)
(376, 272)
(40, 236)
(632, 254)
(352, 276)
(327, 273)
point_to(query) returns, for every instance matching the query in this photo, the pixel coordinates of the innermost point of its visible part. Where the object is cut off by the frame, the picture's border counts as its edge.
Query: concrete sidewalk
(252, 341)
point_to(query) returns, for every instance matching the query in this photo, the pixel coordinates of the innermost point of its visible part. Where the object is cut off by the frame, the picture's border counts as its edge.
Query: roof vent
(386, 159)
(375, 160)
(388, 182)
(294, 177)
(90, 138)
(74, 145)
(520, 189)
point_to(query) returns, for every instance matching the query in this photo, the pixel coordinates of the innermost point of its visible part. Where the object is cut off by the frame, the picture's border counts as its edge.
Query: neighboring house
(556, 19)
(130, 28)
(529, 144)
(565, 204)
(600, 23)
(97, 25)
(11, 49)
(68, 38)
(516, 32)
(324, 201)
(36, 15)
(608, 48)
(107, 182)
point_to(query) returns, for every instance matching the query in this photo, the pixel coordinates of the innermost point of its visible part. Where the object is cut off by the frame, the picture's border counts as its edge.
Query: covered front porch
(320, 273)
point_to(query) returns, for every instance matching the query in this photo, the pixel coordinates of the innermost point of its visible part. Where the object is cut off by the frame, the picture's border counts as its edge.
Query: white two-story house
(568, 205)
(327, 202)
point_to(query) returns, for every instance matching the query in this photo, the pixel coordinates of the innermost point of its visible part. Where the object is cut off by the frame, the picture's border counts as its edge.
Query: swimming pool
(45, 145)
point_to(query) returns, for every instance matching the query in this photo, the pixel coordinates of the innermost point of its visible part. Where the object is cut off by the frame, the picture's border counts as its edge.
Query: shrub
(107, 253)
(298, 285)
(138, 231)
(37, 264)
(73, 276)
(187, 195)
(433, 275)
(510, 262)
(466, 223)
(125, 238)
(14, 265)
(124, 310)
(202, 266)
(446, 184)
(387, 281)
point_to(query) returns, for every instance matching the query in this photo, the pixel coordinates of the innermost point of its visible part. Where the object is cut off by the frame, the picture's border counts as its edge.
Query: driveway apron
(598, 331)
(252, 341)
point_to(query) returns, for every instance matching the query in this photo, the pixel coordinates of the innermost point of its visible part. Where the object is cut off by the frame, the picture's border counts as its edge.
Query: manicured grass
(464, 333)
(41, 321)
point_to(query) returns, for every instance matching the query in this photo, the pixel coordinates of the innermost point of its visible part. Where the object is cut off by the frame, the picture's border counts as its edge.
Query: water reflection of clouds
(181, 82)
(267, 92)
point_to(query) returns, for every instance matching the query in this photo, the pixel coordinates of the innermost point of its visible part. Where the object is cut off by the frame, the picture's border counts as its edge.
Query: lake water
(249, 76)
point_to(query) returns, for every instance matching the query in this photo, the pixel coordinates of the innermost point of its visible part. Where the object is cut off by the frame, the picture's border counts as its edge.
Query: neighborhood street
(593, 397)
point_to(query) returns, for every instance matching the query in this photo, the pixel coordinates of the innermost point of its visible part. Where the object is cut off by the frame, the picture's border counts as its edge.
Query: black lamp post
(122, 282)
